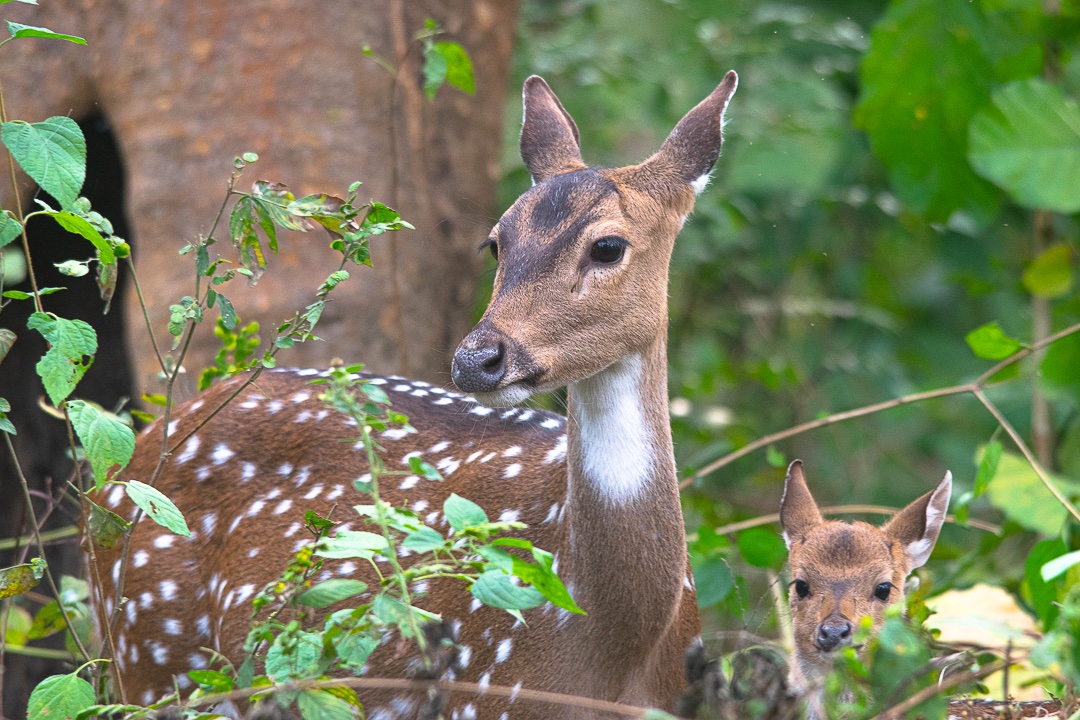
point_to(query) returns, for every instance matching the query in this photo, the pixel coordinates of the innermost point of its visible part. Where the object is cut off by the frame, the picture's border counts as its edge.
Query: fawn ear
(917, 526)
(692, 148)
(550, 143)
(798, 511)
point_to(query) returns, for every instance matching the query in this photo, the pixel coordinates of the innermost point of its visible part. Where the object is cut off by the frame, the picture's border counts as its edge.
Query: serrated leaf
(79, 226)
(1050, 275)
(331, 591)
(10, 228)
(18, 579)
(462, 513)
(52, 152)
(106, 527)
(494, 588)
(423, 540)
(991, 343)
(108, 442)
(72, 347)
(59, 697)
(1027, 141)
(321, 705)
(352, 544)
(459, 67)
(18, 30)
(160, 508)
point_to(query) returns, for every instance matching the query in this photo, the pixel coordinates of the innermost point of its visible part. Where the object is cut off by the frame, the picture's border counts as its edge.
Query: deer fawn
(843, 572)
(580, 300)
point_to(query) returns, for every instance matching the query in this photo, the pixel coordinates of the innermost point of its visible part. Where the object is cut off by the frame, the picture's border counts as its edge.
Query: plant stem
(47, 536)
(19, 212)
(41, 547)
(145, 313)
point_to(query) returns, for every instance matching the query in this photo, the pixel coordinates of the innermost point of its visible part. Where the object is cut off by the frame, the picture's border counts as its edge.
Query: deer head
(842, 572)
(583, 256)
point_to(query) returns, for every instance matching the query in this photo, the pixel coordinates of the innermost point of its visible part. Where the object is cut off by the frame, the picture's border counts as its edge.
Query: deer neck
(624, 538)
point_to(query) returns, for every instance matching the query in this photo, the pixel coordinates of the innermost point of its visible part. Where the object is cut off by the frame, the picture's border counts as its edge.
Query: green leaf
(1059, 565)
(212, 680)
(19, 623)
(10, 228)
(423, 540)
(988, 466)
(285, 661)
(73, 344)
(541, 576)
(1043, 592)
(435, 67)
(712, 580)
(108, 442)
(929, 69)
(52, 152)
(18, 579)
(1028, 143)
(48, 621)
(462, 513)
(1050, 275)
(106, 527)
(228, 314)
(495, 588)
(19, 30)
(774, 457)
(423, 469)
(59, 697)
(79, 226)
(459, 68)
(1057, 372)
(331, 591)
(1017, 491)
(761, 547)
(73, 268)
(20, 295)
(991, 343)
(160, 508)
(321, 705)
(352, 544)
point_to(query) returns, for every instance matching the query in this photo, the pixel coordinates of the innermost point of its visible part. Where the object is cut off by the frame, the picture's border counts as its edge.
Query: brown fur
(244, 484)
(843, 563)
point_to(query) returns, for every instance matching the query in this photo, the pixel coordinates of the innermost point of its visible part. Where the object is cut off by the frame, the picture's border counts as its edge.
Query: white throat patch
(616, 450)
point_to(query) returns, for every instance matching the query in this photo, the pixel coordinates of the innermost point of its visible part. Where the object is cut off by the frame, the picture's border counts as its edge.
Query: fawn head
(583, 255)
(842, 572)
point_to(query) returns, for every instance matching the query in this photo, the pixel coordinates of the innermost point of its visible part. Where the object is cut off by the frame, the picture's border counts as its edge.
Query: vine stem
(19, 211)
(975, 388)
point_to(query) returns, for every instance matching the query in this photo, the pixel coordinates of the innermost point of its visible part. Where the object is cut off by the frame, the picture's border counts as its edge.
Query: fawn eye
(802, 588)
(608, 250)
(493, 248)
(882, 591)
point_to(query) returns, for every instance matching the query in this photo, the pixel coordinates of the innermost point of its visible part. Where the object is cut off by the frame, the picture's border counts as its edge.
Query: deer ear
(550, 143)
(917, 526)
(798, 511)
(692, 148)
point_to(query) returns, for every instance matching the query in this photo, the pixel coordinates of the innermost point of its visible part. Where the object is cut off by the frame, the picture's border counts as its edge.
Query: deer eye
(882, 591)
(802, 588)
(608, 250)
(493, 248)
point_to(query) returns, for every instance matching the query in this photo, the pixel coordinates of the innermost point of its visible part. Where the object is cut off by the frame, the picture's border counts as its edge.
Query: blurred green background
(894, 176)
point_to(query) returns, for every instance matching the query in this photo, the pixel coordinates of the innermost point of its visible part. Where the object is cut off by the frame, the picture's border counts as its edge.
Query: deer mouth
(511, 394)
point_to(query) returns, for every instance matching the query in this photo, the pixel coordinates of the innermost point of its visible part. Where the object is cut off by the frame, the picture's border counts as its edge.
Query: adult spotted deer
(842, 572)
(580, 300)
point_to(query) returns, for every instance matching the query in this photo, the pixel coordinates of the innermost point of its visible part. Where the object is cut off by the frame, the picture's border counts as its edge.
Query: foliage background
(817, 276)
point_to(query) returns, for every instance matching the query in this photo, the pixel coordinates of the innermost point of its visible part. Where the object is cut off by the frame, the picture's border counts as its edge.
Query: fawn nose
(479, 367)
(833, 632)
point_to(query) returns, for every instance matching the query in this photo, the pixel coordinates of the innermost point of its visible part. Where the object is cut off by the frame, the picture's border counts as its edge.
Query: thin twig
(898, 710)
(48, 536)
(1022, 446)
(19, 212)
(145, 314)
(841, 510)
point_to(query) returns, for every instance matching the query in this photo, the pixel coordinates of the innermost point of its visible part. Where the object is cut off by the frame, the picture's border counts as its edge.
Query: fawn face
(842, 572)
(583, 256)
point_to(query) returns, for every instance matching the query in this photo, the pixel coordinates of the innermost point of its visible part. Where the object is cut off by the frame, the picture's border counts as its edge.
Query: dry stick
(898, 710)
(974, 388)
(843, 510)
(543, 696)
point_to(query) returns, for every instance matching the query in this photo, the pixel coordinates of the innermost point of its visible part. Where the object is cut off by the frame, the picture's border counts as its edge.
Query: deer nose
(479, 369)
(833, 632)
